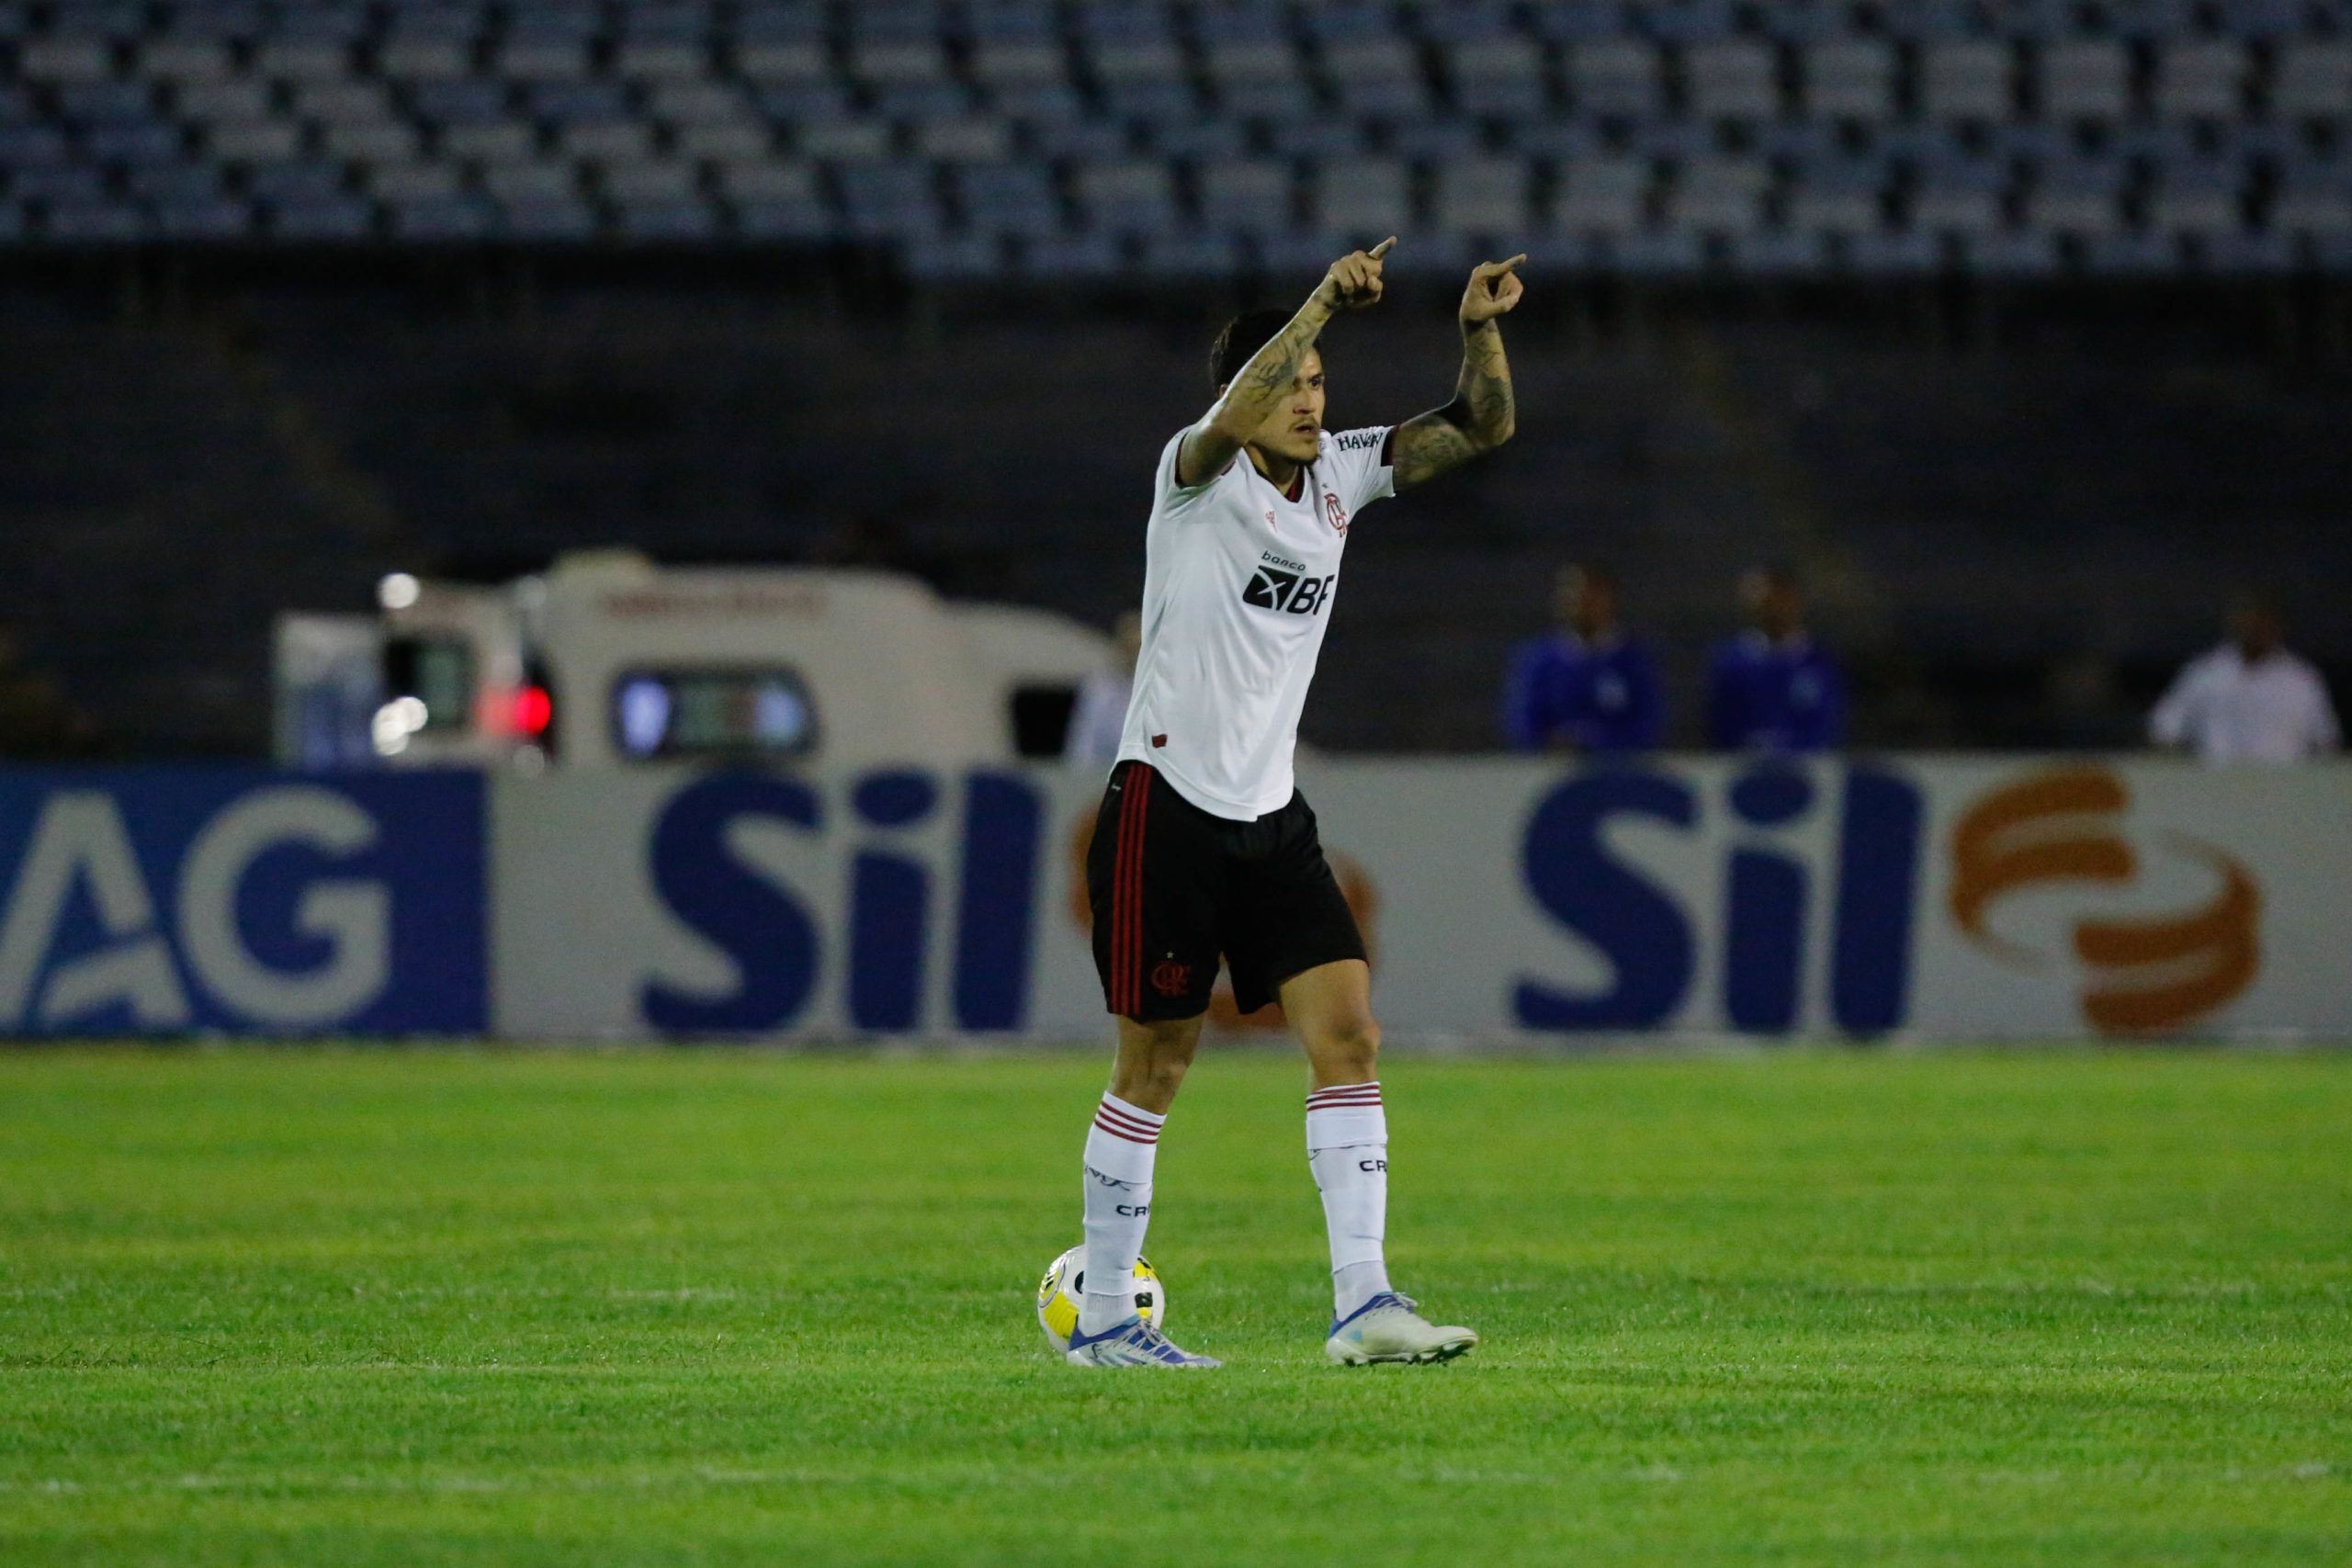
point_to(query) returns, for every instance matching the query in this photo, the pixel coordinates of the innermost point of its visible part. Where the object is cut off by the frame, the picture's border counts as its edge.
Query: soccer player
(1204, 847)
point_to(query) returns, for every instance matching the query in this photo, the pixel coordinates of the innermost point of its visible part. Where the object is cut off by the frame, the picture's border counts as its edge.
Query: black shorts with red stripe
(1175, 887)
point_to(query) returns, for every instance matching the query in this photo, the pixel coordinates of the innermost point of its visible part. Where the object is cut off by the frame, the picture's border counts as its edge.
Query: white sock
(1347, 1147)
(1120, 1147)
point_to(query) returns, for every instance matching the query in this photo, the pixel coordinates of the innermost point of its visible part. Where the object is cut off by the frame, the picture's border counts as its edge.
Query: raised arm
(1259, 388)
(1482, 415)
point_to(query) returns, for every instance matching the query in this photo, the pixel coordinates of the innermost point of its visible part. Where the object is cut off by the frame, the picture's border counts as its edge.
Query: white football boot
(1134, 1343)
(1387, 1329)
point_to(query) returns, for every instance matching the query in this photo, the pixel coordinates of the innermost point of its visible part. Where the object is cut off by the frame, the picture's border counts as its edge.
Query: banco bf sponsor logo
(1290, 592)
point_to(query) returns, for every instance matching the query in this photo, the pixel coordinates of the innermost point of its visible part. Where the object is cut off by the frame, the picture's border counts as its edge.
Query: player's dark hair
(1241, 337)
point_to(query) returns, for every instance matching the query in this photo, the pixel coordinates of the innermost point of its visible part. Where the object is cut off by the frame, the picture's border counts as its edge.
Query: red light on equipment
(533, 710)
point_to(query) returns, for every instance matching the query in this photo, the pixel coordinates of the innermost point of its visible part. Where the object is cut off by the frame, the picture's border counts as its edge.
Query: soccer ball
(1065, 1280)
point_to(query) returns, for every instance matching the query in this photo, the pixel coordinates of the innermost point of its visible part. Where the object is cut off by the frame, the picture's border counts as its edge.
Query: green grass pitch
(427, 1307)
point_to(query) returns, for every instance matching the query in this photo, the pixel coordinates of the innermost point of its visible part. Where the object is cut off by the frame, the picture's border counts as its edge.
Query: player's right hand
(1353, 281)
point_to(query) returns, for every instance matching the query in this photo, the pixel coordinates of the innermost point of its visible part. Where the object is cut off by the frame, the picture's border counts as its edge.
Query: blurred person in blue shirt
(1773, 688)
(1588, 686)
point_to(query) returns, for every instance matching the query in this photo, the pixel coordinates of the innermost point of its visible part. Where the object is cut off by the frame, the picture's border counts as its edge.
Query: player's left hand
(1494, 289)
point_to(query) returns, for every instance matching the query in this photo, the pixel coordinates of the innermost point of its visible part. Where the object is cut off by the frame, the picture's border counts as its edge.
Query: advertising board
(1504, 900)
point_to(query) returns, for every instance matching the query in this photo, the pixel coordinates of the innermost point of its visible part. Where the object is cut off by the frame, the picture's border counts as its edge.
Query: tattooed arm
(1482, 415)
(1259, 388)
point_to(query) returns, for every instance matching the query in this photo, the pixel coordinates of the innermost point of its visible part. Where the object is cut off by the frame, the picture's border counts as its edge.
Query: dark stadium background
(937, 285)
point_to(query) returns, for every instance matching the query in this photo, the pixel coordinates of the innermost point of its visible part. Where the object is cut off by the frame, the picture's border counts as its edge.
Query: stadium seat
(673, 220)
(1616, 77)
(1735, 79)
(1368, 198)
(968, 140)
(2201, 198)
(649, 182)
(1206, 140)
(1317, 139)
(1657, 252)
(442, 219)
(2029, 253)
(1965, 195)
(1083, 141)
(2083, 79)
(310, 45)
(95, 222)
(606, 139)
(546, 44)
(2312, 80)
(1251, 197)
(196, 180)
(1838, 195)
(430, 45)
(1850, 78)
(2205, 79)
(1008, 199)
(1602, 196)
(777, 201)
(183, 58)
(843, 141)
(1367, 68)
(1016, 51)
(2077, 196)
(209, 218)
(1779, 252)
(2132, 253)
(887, 199)
(667, 44)
(1132, 196)
(75, 184)
(2241, 251)
(782, 45)
(531, 181)
(66, 58)
(960, 258)
(1905, 254)
(1074, 258)
(556, 220)
(504, 142)
(1719, 195)
(1184, 257)
(2313, 200)
(332, 218)
(1966, 80)
(1491, 68)
(1486, 197)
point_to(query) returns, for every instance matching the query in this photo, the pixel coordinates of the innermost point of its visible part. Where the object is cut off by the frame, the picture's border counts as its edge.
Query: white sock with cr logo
(1120, 1148)
(1347, 1147)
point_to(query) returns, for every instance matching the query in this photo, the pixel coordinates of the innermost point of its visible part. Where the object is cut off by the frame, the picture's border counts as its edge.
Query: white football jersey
(1236, 590)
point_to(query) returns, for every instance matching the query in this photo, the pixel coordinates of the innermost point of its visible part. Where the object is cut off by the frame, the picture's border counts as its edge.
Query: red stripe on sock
(1117, 1132)
(1105, 1115)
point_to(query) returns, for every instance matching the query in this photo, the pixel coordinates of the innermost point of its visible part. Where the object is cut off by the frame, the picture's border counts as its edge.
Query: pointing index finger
(1513, 262)
(1383, 248)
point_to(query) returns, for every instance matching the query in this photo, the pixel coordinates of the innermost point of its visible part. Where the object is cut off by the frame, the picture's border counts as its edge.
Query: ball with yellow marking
(1065, 1280)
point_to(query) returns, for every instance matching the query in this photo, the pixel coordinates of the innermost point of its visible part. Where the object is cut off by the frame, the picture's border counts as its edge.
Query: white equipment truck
(608, 662)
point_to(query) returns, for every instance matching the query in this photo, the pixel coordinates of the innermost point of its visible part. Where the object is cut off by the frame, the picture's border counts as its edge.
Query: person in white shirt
(2250, 700)
(1204, 848)
(1099, 717)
